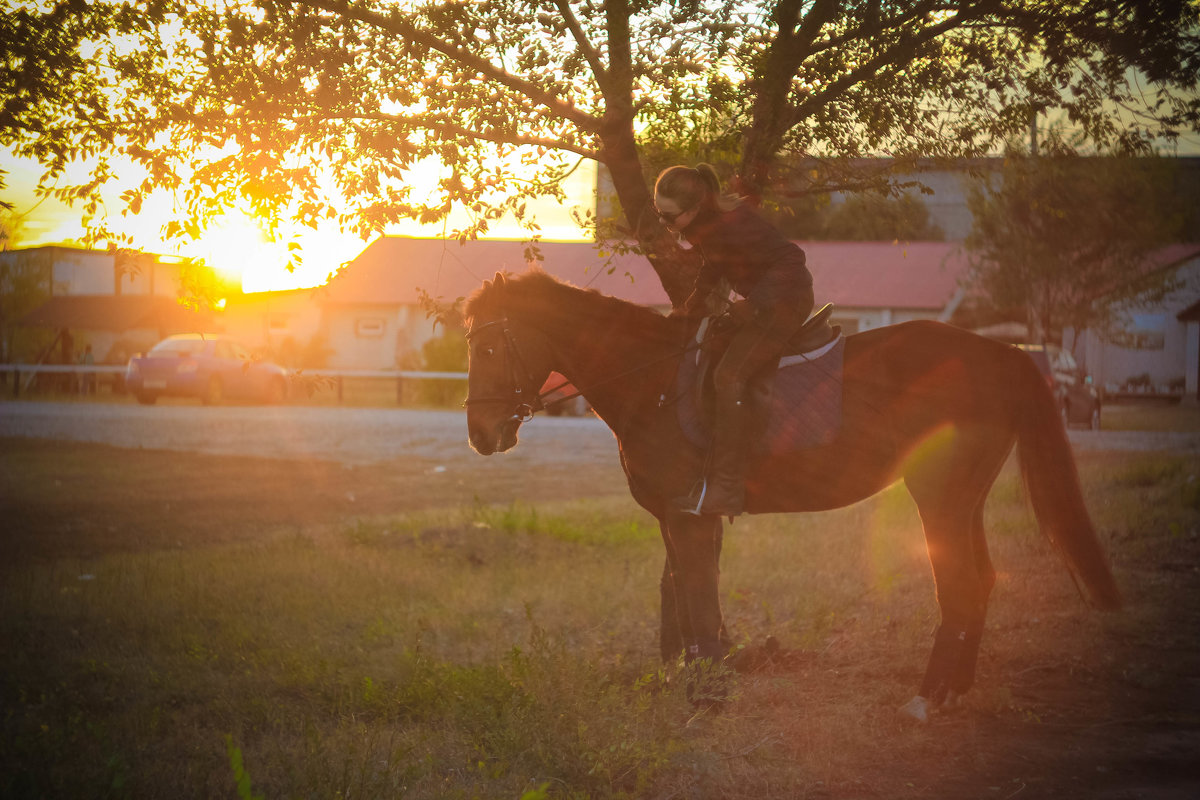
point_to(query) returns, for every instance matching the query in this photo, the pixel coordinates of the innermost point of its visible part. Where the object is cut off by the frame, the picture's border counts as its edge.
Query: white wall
(364, 337)
(1111, 364)
(870, 318)
(273, 319)
(92, 272)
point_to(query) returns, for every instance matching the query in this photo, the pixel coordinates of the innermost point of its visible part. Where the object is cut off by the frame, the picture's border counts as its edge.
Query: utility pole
(1033, 142)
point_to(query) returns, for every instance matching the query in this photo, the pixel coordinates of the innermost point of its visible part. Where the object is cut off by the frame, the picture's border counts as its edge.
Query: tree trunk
(676, 268)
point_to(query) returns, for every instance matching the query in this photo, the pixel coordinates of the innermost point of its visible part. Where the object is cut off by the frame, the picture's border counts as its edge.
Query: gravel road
(363, 436)
(346, 435)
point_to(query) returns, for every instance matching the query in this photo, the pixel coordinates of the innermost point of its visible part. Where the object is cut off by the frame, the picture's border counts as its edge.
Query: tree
(319, 109)
(863, 217)
(1063, 240)
(24, 285)
(869, 216)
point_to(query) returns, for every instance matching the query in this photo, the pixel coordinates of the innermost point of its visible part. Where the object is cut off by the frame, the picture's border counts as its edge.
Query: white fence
(24, 374)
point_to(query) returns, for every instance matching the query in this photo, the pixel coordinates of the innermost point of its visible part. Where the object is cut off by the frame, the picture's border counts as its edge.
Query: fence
(22, 375)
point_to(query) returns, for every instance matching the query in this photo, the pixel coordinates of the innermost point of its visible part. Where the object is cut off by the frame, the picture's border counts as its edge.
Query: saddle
(695, 382)
(716, 332)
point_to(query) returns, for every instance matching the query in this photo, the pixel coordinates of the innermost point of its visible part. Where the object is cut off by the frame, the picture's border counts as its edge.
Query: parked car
(207, 366)
(559, 388)
(1078, 399)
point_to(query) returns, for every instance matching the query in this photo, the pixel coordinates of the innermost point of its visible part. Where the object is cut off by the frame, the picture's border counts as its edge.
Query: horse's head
(509, 362)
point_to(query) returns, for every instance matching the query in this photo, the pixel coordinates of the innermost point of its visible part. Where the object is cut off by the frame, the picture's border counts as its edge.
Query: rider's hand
(693, 308)
(742, 311)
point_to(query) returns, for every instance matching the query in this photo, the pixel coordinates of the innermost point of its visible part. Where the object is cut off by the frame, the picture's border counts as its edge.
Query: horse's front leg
(692, 578)
(670, 634)
(693, 560)
(670, 629)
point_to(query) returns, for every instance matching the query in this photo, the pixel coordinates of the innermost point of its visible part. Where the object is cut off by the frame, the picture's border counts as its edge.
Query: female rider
(769, 272)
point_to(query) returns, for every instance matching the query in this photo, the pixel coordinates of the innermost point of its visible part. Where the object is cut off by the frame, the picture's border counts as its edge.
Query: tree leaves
(320, 109)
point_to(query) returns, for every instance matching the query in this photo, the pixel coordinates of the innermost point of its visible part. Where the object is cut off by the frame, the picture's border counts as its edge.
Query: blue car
(210, 367)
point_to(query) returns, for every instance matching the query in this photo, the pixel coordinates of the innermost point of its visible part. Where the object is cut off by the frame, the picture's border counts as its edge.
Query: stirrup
(694, 501)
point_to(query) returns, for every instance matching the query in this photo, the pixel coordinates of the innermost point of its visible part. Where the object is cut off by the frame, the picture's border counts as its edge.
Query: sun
(235, 246)
(239, 248)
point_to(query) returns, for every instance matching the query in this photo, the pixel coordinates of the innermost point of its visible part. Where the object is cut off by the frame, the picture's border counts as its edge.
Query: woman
(767, 270)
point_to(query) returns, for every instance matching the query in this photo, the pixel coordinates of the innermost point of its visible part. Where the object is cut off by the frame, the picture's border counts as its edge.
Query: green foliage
(519, 517)
(871, 217)
(579, 524)
(444, 353)
(24, 285)
(1066, 240)
(241, 776)
(863, 217)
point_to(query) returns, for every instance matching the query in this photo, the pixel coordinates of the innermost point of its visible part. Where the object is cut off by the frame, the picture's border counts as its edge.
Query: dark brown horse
(925, 402)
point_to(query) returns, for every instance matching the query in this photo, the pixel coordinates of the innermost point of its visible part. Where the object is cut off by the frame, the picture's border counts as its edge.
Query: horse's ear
(499, 279)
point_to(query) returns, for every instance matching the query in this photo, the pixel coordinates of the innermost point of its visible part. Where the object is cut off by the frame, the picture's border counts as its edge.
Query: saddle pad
(806, 401)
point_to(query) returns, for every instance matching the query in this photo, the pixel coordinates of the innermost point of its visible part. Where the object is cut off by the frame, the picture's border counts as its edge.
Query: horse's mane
(556, 305)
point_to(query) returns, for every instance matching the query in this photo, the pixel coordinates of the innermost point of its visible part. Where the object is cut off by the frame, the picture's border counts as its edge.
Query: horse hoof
(916, 710)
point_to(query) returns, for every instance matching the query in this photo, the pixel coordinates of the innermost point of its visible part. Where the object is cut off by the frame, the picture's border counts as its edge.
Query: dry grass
(493, 649)
(1151, 417)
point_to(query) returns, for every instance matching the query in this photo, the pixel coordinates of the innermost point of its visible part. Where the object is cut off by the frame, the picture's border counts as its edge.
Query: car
(208, 366)
(1078, 399)
(555, 390)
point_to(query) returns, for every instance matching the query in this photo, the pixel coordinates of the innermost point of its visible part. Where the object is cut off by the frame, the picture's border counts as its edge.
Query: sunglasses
(670, 218)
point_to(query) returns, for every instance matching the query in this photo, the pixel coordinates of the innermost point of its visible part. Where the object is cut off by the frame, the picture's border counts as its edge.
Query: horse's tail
(1051, 479)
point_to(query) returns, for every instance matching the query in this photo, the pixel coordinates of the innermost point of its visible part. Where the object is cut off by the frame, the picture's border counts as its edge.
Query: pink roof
(392, 269)
(1173, 255)
(916, 275)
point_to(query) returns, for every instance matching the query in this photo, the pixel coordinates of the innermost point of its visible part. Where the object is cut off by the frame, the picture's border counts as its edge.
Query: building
(371, 315)
(116, 301)
(1157, 349)
(873, 284)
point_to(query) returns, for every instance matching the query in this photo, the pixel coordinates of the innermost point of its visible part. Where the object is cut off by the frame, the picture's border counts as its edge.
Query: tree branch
(589, 52)
(398, 25)
(898, 53)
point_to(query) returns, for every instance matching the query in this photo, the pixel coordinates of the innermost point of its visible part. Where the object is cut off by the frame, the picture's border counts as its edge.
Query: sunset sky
(239, 248)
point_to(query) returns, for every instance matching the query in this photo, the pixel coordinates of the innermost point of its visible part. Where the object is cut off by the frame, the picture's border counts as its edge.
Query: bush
(445, 353)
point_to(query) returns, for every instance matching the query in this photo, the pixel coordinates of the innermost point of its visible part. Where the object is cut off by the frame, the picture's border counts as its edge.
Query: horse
(935, 406)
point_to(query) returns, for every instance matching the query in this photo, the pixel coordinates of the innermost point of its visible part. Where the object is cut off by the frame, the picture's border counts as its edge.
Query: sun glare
(238, 247)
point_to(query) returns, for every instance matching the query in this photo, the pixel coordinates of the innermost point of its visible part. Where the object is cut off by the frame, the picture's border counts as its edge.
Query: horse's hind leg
(950, 488)
(963, 676)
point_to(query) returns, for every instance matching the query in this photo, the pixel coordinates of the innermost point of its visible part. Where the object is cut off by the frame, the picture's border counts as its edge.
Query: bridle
(523, 383)
(521, 379)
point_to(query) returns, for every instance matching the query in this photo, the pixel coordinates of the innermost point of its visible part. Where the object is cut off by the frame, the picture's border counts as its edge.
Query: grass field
(169, 631)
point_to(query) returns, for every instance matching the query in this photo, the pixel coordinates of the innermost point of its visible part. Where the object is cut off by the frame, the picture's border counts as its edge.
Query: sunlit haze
(240, 248)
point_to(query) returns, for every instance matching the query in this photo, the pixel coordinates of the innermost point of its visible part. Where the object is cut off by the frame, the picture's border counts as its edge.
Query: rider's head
(681, 193)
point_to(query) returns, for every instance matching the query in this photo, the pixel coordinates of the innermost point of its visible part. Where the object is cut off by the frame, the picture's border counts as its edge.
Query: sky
(239, 248)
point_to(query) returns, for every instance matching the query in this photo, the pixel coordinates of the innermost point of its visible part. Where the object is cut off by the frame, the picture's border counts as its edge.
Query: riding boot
(722, 491)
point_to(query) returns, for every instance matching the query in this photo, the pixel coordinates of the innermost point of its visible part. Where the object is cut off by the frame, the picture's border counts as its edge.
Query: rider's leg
(752, 349)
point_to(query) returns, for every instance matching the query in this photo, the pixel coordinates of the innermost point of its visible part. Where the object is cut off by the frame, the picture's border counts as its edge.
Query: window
(1144, 332)
(369, 327)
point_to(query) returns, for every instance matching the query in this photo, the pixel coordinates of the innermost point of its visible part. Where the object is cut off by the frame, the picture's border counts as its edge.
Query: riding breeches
(756, 348)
